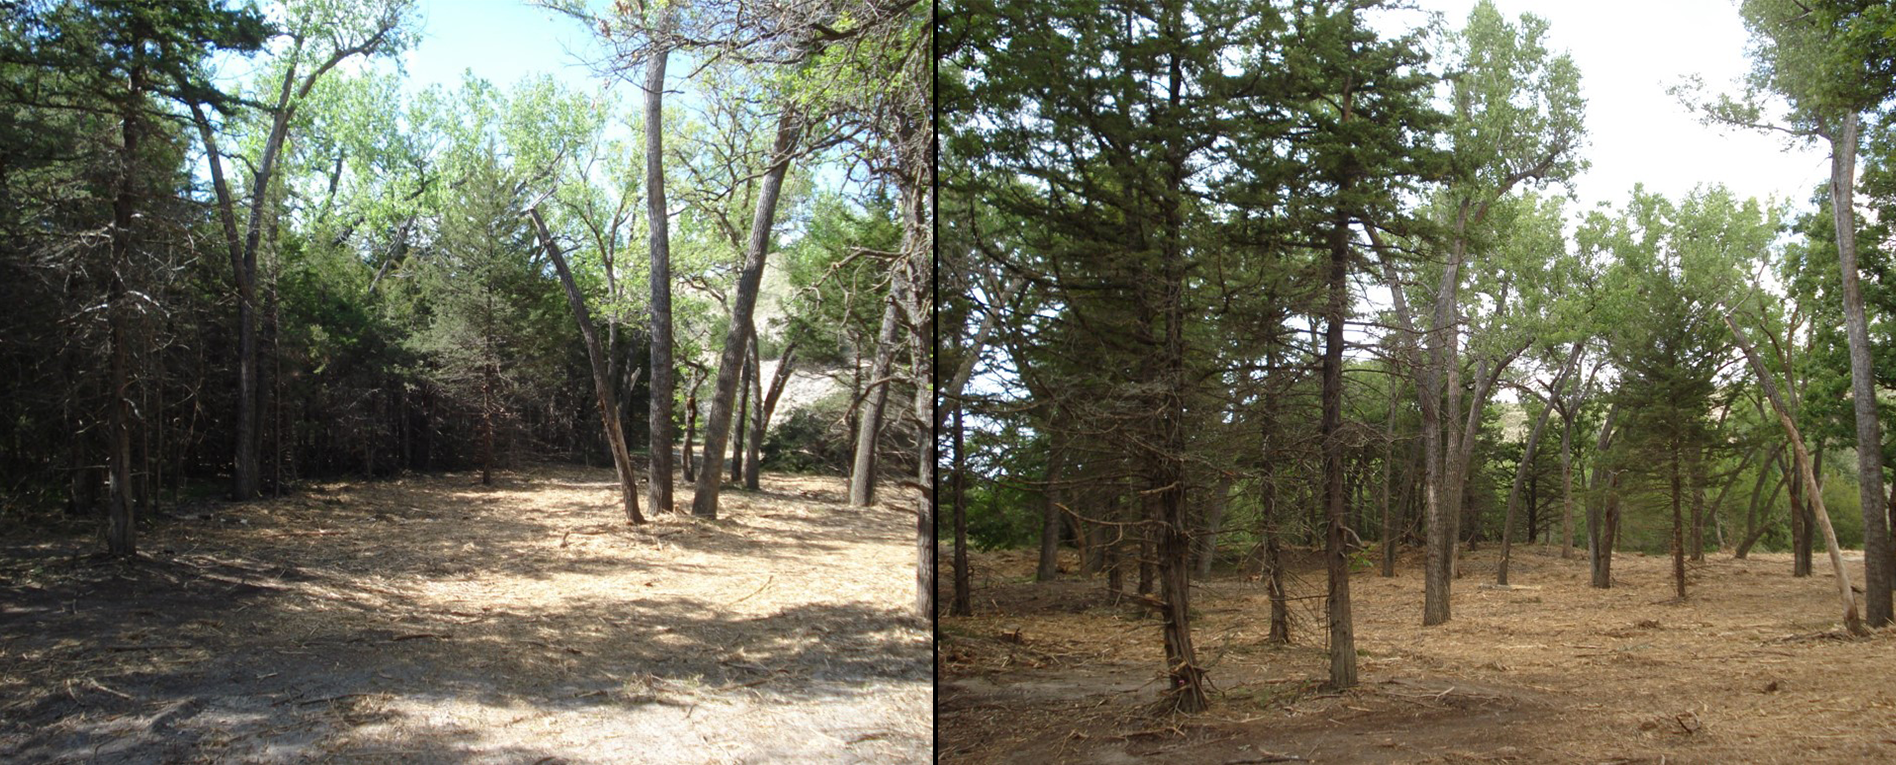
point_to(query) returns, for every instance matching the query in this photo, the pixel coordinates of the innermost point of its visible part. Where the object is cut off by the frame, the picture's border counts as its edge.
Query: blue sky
(501, 41)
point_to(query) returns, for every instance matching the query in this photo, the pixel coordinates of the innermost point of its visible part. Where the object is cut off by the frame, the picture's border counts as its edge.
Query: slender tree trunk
(1342, 634)
(1851, 620)
(691, 432)
(602, 381)
(1755, 521)
(704, 502)
(1877, 564)
(753, 448)
(121, 523)
(743, 405)
(659, 486)
(1514, 494)
(1388, 535)
(1601, 517)
(1566, 486)
(1678, 525)
(1274, 586)
(1695, 542)
(862, 476)
(1207, 551)
(1051, 495)
(960, 605)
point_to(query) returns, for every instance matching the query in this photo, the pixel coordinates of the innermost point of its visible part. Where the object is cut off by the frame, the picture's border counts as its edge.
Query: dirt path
(1750, 668)
(433, 620)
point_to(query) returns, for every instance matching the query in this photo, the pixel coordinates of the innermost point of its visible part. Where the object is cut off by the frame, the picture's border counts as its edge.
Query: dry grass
(433, 619)
(1752, 667)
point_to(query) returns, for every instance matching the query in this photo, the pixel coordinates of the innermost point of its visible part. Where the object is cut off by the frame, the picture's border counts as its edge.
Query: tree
(1831, 62)
(128, 57)
(321, 35)
(1517, 112)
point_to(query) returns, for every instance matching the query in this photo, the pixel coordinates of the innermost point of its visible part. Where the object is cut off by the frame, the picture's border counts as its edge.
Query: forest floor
(1751, 667)
(431, 619)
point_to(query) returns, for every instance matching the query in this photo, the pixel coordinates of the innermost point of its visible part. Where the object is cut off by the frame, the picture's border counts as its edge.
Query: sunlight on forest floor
(433, 619)
(1752, 667)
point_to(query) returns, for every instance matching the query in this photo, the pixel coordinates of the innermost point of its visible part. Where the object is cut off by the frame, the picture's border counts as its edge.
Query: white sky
(1628, 53)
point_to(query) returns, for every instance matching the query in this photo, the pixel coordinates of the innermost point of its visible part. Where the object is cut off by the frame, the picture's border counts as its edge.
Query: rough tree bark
(753, 448)
(659, 486)
(1336, 554)
(704, 503)
(744, 385)
(862, 473)
(602, 382)
(1877, 564)
(1600, 520)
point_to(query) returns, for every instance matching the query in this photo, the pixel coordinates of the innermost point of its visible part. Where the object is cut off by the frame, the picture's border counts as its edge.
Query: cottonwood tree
(1517, 121)
(1831, 62)
(320, 36)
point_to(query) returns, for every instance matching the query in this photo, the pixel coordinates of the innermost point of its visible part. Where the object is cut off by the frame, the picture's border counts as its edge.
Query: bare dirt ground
(430, 619)
(1752, 667)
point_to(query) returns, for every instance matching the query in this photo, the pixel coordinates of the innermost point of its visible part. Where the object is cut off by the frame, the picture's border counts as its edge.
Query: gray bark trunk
(606, 396)
(704, 503)
(1876, 541)
(659, 488)
(862, 474)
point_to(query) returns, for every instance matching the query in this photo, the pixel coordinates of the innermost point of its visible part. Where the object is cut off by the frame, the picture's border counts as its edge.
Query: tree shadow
(351, 621)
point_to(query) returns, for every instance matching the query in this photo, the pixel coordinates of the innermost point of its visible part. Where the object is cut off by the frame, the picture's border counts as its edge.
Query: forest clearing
(432, 619)
(1751, 668)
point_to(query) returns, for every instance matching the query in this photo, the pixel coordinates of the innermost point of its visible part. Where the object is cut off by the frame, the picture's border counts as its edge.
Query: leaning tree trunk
(602, 382)
(659, 488)
(1877, 574)
(1802, 456)
(704, 503)
(862, 474)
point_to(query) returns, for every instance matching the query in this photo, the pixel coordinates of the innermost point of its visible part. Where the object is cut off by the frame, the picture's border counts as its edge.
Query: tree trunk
(659, 486)
(960, 607)
(1342, 635)
(1049, 568)
(1601, 517)
(1755, 521)
(1207, 551)
(753, 448)
(691, 431)
(704, 502)
(1678, 526)
(743, 406)
(1274, 586)
(602, 382)
(1514, 494)
(1851, 620)
(1877, 564)
(1566, 486)
(862, 474)
(1388, 536)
